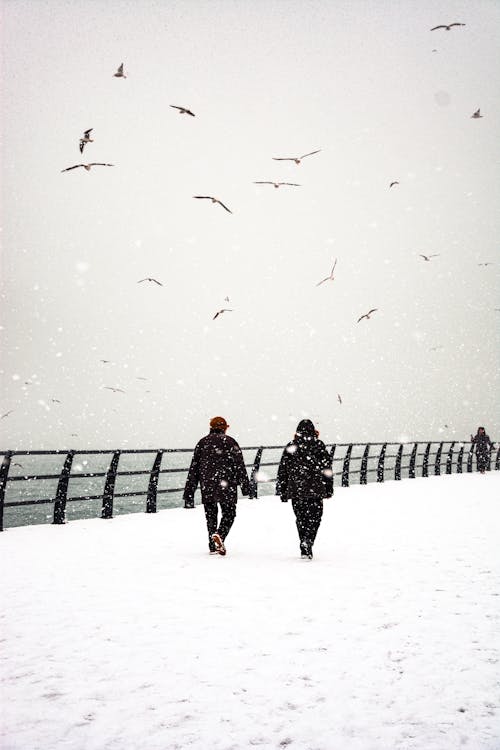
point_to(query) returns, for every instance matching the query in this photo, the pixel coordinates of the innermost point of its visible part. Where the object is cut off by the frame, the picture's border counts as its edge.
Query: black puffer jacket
(305, 469)
(218, 466)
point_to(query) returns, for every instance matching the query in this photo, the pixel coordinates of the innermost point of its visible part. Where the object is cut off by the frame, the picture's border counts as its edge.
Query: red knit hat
(218, 423)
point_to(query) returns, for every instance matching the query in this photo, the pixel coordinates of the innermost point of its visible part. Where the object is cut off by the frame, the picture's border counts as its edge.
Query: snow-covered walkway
(126, 634)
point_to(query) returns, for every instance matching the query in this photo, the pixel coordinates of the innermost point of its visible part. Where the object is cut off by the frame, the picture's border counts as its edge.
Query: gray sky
(359, 80)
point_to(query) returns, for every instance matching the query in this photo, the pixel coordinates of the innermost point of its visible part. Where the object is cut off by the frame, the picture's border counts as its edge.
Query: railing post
(109, 487)
(363, 474)
(62, 491)
(449, 460)
(345, 468)
(497, 462)
(437, 462)
(488, 465)
(413, 460)
(381, 462)
(153, 484)
(460, 459)
(425, 462)
(469, 459)
(253, 476)
(397, 468)
(4, 474)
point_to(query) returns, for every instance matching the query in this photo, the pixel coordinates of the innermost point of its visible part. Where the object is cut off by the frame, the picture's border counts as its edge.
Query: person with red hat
(218, 467)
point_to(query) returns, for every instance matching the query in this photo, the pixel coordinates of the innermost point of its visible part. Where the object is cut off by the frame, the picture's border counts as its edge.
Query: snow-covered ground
(126, 634)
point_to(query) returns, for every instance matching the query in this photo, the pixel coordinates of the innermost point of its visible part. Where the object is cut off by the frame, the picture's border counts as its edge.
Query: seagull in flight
(489, 263)
(428, 257)
(447, 26)
(150, 279)
(86, 139)
(367, 315)
(88, 166)
(276, 184)
(105, 361)
(477, 114)
(339, 399)
(6, 413)
(296, 159)
(219, 312)
(20, 465)
(393, 183)
(183, 110)
(55, 400)
(214, 200)
(328, 278)
(112, 388)
(119, 73)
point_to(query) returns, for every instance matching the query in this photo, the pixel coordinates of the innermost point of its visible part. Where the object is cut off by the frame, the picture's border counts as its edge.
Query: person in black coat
(305, 477)
(483, 445)
(218, 466)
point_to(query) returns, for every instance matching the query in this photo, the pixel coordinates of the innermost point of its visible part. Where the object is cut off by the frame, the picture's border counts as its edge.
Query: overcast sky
(368, 83)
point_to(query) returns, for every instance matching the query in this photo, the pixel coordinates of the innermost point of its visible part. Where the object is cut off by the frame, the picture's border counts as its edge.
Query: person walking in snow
(483, 445)
(305, 477)
(218, 466)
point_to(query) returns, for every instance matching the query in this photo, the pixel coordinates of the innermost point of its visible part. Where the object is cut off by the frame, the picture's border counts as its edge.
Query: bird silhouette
(276, 184)
(296, 159)
(328, 278)
(477, 114)
(367, 315)
(88, 166)
(119, 73)
(6, 413)
(183, 110)
(393, 183)
(86, 139)
(150, 279)
(489, 263)
(105, 361)
(55, 400)
(339, 399)
(447, 26)
(112, 388)
(214, 200)
(219, 312)
(428, 257)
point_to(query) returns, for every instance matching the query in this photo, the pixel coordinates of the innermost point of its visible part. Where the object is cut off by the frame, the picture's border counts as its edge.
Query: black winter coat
(305, 471)
(482, 443)
(218, 466)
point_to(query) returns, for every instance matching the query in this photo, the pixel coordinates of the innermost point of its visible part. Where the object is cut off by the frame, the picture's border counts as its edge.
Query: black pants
(228, 514)
(482, 458)
(308, 513)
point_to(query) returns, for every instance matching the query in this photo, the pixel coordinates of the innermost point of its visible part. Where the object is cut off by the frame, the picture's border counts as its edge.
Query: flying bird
(428, 257)
(339, 398)
(88, 166)
(150, 279)
(393, 183)
(7, 413)
(489, 263)
(112, 388)
(214, 200)
(20, 465)
(183, 110)
(105, 361)
(139, 378)
(219, 312)
(55, 400)
(367, 315)
(296, 159)
(86, 139)
(328, 278)
(276, 184)
(447, 26)
(119, 73)
(226, 299)
(477, 114)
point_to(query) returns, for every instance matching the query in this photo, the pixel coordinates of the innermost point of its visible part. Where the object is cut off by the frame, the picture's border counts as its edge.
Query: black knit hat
(305, 429)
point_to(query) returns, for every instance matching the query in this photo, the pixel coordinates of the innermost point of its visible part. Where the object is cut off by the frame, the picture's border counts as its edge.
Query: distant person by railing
(483, 445)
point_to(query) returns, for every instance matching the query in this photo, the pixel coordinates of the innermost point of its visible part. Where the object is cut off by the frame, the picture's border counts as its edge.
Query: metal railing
(351, 462)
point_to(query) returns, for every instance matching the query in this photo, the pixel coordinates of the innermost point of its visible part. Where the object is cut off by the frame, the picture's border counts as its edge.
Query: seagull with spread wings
(428, 257)
(328, 278)
(276, 184)
(296, 159)
(214, 200)
(119, 73)
(150, 279)
(477, 114)
(447, 26)
(112, 388)
(85, 139)
(395, 182)
(88, 166)
(6, 414)
(339, 399)
(367, 315)
(183, 110)
(219, 312)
